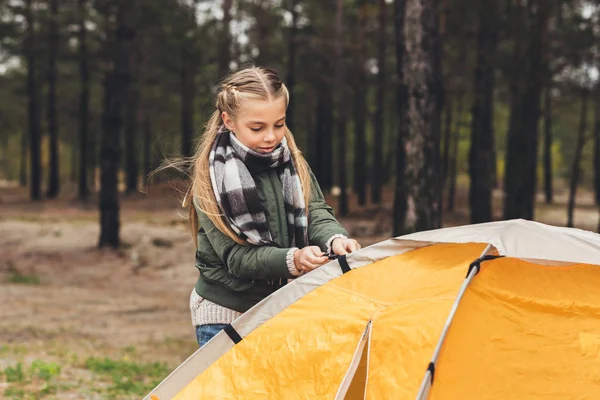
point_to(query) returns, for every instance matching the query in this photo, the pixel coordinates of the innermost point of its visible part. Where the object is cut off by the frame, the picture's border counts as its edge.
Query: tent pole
(429, 374)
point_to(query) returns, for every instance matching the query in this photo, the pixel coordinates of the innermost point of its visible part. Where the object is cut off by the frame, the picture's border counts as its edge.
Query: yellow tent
(504, 310)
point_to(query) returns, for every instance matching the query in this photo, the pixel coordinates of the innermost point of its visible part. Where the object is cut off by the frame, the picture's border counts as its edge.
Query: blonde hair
(253, 83)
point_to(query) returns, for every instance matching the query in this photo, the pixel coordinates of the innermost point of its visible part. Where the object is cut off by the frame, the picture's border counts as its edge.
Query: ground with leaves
(78, 322)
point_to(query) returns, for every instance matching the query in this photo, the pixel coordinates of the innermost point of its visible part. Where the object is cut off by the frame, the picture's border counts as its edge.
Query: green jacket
(237, 276)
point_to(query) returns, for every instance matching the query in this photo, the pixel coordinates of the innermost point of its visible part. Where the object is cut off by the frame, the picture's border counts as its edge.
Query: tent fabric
(523, 329)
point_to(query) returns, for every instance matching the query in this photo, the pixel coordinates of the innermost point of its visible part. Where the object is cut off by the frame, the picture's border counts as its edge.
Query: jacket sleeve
(322, 224)
(245, 262)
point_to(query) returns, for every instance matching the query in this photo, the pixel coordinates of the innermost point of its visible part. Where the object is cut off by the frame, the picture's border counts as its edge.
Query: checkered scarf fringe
(236, 194)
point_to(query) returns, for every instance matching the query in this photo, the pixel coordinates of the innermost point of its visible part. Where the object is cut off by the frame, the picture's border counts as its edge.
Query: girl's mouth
(267, 149)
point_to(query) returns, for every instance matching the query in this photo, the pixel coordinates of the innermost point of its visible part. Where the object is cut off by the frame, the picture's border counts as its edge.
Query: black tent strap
(344, 263)
(232, 333)
(477, 263)
(431, 368)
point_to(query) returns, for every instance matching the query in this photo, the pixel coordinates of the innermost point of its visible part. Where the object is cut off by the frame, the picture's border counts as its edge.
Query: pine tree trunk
(597, 146)
(422, 155)
(341, 108)
(481, 158)
(323, 130)
(379, 122)
(522, 138)
(33, 109)
(360, 109)
(400, 197)
(548, 145)
(291, 72)
(131, 118)
(53, 176)
(84, 102)
(188, 85)
(225, 40)
(147, 141)
(576, 168)
(117, 85)
(187, 104)
(23, 163)
(455, 140)
(447, 134)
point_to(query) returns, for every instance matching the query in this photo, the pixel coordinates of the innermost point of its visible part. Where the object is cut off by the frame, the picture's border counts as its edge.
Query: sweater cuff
(331, 239)
(289, 260)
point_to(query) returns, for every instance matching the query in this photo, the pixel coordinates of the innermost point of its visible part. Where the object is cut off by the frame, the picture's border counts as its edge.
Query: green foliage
(128, 377)
(16, 277)
(14, 374)
(44, 370)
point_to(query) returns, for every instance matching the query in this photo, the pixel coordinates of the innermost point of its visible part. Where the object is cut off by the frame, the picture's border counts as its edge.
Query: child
(256, 211)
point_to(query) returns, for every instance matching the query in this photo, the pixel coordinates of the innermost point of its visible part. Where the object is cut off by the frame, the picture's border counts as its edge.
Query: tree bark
(53, 176)
(453, 170)
(548, 145)
(379, 123)
(117, 85)
(400, 198)
(360, 109)
(147, 140)
(447, 135)
(597, 146)
(188, 84)
(225, 40)
(84, 102)
(33, 107)
(132, 98)
(291, 72)
(481, 158)
(522, 138)
(323, 130)
(422, 147)
(576, 168)
(341, 108)
(23, 163)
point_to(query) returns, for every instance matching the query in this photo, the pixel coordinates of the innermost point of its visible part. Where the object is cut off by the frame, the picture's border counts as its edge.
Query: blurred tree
(380, 101)
(422, 145)
(481, 155)
(400, 195)
(291, 68)
(117, 86)
(576, 168)
(132, 101)
(340, 99)
(189, 65)
(530, 26)
(225, 40)
(548, 191)
(360, 107)
(596, 165)
(34, 114)
(84, 99)
(53, 176)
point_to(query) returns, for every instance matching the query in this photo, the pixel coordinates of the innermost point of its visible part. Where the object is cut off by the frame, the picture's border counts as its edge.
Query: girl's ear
(227, 120)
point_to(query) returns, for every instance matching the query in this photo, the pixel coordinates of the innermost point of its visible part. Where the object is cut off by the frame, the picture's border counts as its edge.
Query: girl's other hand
(341, 246)
(309, 258)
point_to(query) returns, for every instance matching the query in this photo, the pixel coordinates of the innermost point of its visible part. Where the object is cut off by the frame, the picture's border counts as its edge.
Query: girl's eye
(279, 126)
(255, 129)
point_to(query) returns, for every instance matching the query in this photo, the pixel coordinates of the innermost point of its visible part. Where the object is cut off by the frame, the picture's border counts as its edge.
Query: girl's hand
(309, 258)
(341, 246)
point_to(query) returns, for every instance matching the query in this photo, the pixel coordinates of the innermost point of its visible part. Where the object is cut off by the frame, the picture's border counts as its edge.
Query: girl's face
(259, 124)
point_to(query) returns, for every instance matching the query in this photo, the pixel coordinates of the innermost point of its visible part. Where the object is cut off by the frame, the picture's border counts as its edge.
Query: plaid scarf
(236, 194)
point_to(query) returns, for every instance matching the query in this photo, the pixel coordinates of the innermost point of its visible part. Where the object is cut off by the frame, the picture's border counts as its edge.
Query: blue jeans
(206, 332)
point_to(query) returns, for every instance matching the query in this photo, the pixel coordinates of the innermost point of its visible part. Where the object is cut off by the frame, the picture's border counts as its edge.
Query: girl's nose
(269, 136)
